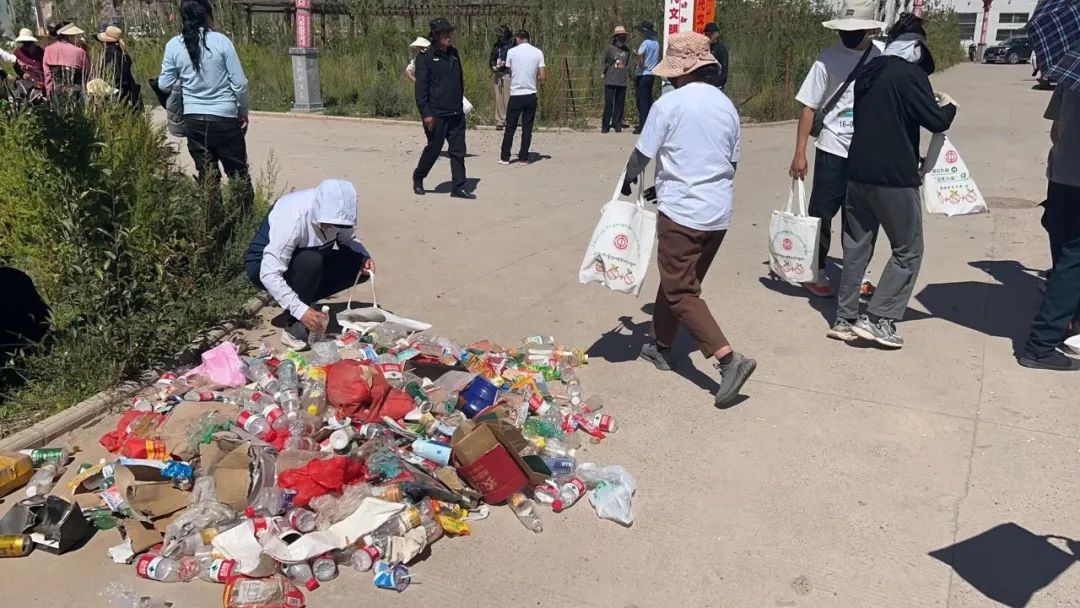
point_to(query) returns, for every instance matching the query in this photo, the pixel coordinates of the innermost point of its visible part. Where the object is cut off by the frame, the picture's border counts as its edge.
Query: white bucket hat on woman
(856, 15)
(420, 43)
(25, 35)
(686, 52)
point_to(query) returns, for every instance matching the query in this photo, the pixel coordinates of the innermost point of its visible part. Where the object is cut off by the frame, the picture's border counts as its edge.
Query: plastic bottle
(571, 357)
(204, 396)
(259, 373)
(538, 350)
(247, 398)
(166, 570)
(561, 466)
(603, 422)
(546, 493)
(301, 519)
(216, 570)
(15, 545)
(569, 494)
(574, 393)
(342, 438)
(320, 334)
(40, 456)
(526, 512)
(252, 423)
(272, 501)
(287, 376)
(301, 574)
(324, 568)
(362, 558)
(42, 481)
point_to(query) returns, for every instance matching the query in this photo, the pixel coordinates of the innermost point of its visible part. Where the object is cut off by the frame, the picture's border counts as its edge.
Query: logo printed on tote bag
(788, 245)
(951, 156)
(622, 242)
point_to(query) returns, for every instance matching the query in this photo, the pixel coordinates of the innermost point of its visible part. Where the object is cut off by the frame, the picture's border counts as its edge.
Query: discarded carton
(15, 471)
(230, 465)
(487, 457)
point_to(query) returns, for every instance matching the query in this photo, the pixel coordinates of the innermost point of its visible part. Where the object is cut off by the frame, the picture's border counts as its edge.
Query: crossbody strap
(831, 103)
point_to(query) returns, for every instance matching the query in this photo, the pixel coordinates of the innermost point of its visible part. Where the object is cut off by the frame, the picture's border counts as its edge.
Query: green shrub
(132, 256)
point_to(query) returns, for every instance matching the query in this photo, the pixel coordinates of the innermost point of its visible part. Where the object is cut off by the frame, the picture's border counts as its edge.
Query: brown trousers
(502, 97)
(684, 258)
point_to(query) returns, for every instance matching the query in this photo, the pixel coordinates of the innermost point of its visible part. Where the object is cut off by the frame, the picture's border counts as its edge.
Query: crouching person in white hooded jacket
(306, 249)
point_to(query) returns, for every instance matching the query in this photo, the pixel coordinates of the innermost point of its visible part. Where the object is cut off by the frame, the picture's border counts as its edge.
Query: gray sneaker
(295, 337)
(883, 332)
(735, 375)
(662, 359)
(842, 330)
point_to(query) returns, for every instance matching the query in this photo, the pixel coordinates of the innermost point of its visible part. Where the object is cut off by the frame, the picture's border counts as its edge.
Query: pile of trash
(271, 474)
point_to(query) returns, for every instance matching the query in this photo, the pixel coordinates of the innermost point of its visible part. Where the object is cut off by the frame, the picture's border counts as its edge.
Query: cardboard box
(487, 457)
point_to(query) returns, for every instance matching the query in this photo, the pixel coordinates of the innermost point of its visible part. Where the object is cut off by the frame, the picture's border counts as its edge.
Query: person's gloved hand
(944, 99)
(626, 187)
(650, 195)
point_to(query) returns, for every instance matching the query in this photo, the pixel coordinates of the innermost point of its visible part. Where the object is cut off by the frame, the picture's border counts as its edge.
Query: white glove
(944, 99)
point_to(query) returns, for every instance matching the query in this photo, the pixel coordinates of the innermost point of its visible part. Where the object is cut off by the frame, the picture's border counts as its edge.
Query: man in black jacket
(719, 51)
(497, 61)
(893, 99)
(440, 87)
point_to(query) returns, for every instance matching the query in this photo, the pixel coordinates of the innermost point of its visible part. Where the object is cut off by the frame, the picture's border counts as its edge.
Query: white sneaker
(292, 342)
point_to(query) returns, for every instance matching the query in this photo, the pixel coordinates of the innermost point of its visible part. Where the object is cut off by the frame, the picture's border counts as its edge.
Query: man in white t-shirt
(527, 73)
(693, 133)
(821, 92)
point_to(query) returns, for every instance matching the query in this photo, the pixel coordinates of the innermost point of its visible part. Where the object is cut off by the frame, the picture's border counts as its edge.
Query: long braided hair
(195, 16)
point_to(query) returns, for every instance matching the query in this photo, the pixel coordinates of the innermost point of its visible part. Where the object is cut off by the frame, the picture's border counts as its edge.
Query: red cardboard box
(486, 457)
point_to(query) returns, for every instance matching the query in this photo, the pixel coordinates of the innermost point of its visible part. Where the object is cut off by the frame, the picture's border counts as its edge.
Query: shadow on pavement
(623, 342)
(1004, 310)
(445, 187)
(1008, 563)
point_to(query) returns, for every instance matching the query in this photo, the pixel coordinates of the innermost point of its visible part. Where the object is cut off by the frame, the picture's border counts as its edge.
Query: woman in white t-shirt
(418, 46)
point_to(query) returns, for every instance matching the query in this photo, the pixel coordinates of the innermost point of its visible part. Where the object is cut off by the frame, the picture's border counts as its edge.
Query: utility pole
(305, 64)
(985, 29)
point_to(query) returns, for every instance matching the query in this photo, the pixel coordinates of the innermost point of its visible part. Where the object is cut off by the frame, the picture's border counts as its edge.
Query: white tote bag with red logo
(948, 188)
(621, 247)
(793, 239)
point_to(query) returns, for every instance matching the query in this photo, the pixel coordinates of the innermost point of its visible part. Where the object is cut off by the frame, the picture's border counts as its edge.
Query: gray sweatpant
(899, 213)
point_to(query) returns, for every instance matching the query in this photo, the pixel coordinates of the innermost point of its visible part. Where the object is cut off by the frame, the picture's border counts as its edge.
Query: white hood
(335, 203)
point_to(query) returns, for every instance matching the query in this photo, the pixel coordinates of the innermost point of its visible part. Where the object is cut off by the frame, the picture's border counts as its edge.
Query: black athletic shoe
(418, 188)
(1055, 361)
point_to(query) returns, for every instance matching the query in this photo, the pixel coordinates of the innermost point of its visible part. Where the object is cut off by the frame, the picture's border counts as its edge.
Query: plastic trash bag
(222, 365)
(611, 489)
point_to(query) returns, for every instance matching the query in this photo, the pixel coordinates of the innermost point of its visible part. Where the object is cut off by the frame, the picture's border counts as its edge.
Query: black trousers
(447, 130)
(214, 141)
(827, 198)
(315, 274)
(1062, 299)
(614, 107)
(644, 92)
(521, 108)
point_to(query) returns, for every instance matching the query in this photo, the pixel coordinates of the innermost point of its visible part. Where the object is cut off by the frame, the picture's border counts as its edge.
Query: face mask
(852, 40)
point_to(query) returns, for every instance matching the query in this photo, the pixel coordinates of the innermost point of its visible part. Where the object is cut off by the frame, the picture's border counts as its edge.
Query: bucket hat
(686, 52)
(25, 35)
(856, 15)
(420, 43)
(439, 25)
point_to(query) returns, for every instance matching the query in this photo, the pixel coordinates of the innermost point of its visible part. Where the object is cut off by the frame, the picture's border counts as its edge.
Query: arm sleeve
(723, 59)
(47, 68)
(542, 64)
(814, 88)
(1053, 109)
(924, 108)
(653, 133)
(347, 238)
(423, 98)
(237, 80)
(276, 258)
(169, 73)
(605, 60)
(635, 165)
(8, 57)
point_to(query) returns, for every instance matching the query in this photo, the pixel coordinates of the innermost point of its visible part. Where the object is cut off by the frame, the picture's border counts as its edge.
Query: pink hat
(686, 52)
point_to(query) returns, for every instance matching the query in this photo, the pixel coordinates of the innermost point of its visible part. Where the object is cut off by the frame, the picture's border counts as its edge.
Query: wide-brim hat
(856, 15)
(25, 35)
(111, 34)
(619, 30)
(686, 52)
(646, 26)
(440, 25)
(420, 43)
(70, 30)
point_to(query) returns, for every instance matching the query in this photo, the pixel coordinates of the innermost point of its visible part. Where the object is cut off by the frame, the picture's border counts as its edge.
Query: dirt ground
(939, 475)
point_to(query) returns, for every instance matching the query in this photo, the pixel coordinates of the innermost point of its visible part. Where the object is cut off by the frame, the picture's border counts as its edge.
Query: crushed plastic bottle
(259, 373)
(301, 575)
(324, 567)
(43, 480)
(215, 570)
(166, 570)
(569, 494)
(118, 595)
(526, 512)
(271, 501)
(303, 520)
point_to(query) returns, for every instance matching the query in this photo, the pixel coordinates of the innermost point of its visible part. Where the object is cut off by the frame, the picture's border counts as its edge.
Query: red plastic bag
(320, 477)
(131, 421)
(360, 392)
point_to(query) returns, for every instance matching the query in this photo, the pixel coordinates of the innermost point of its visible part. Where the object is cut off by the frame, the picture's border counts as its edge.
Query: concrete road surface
(940, 475)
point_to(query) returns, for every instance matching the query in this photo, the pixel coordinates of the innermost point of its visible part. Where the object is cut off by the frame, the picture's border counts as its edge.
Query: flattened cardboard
(177, 427)
(230, 465)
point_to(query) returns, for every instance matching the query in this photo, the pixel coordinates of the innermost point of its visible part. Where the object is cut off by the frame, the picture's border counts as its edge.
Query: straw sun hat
(686, 52)
(111, 34)
(25, 35)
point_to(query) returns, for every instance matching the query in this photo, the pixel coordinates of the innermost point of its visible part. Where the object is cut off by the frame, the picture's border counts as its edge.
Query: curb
(416, 123)
(44, 431)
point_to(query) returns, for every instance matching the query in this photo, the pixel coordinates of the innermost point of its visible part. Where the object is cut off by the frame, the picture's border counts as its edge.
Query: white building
(1007, 18)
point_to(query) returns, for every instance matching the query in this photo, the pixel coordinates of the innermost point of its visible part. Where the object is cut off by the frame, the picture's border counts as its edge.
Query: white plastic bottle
(569, 493)
(216, 570)
(166, 570)
(526, 512)
(301, 574)
(42, 481)
(320, 334)
(301, 519)
(324, 568)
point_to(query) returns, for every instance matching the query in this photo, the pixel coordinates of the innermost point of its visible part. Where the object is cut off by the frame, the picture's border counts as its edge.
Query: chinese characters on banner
(679, 16)
(303, 24)
(704, 14)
